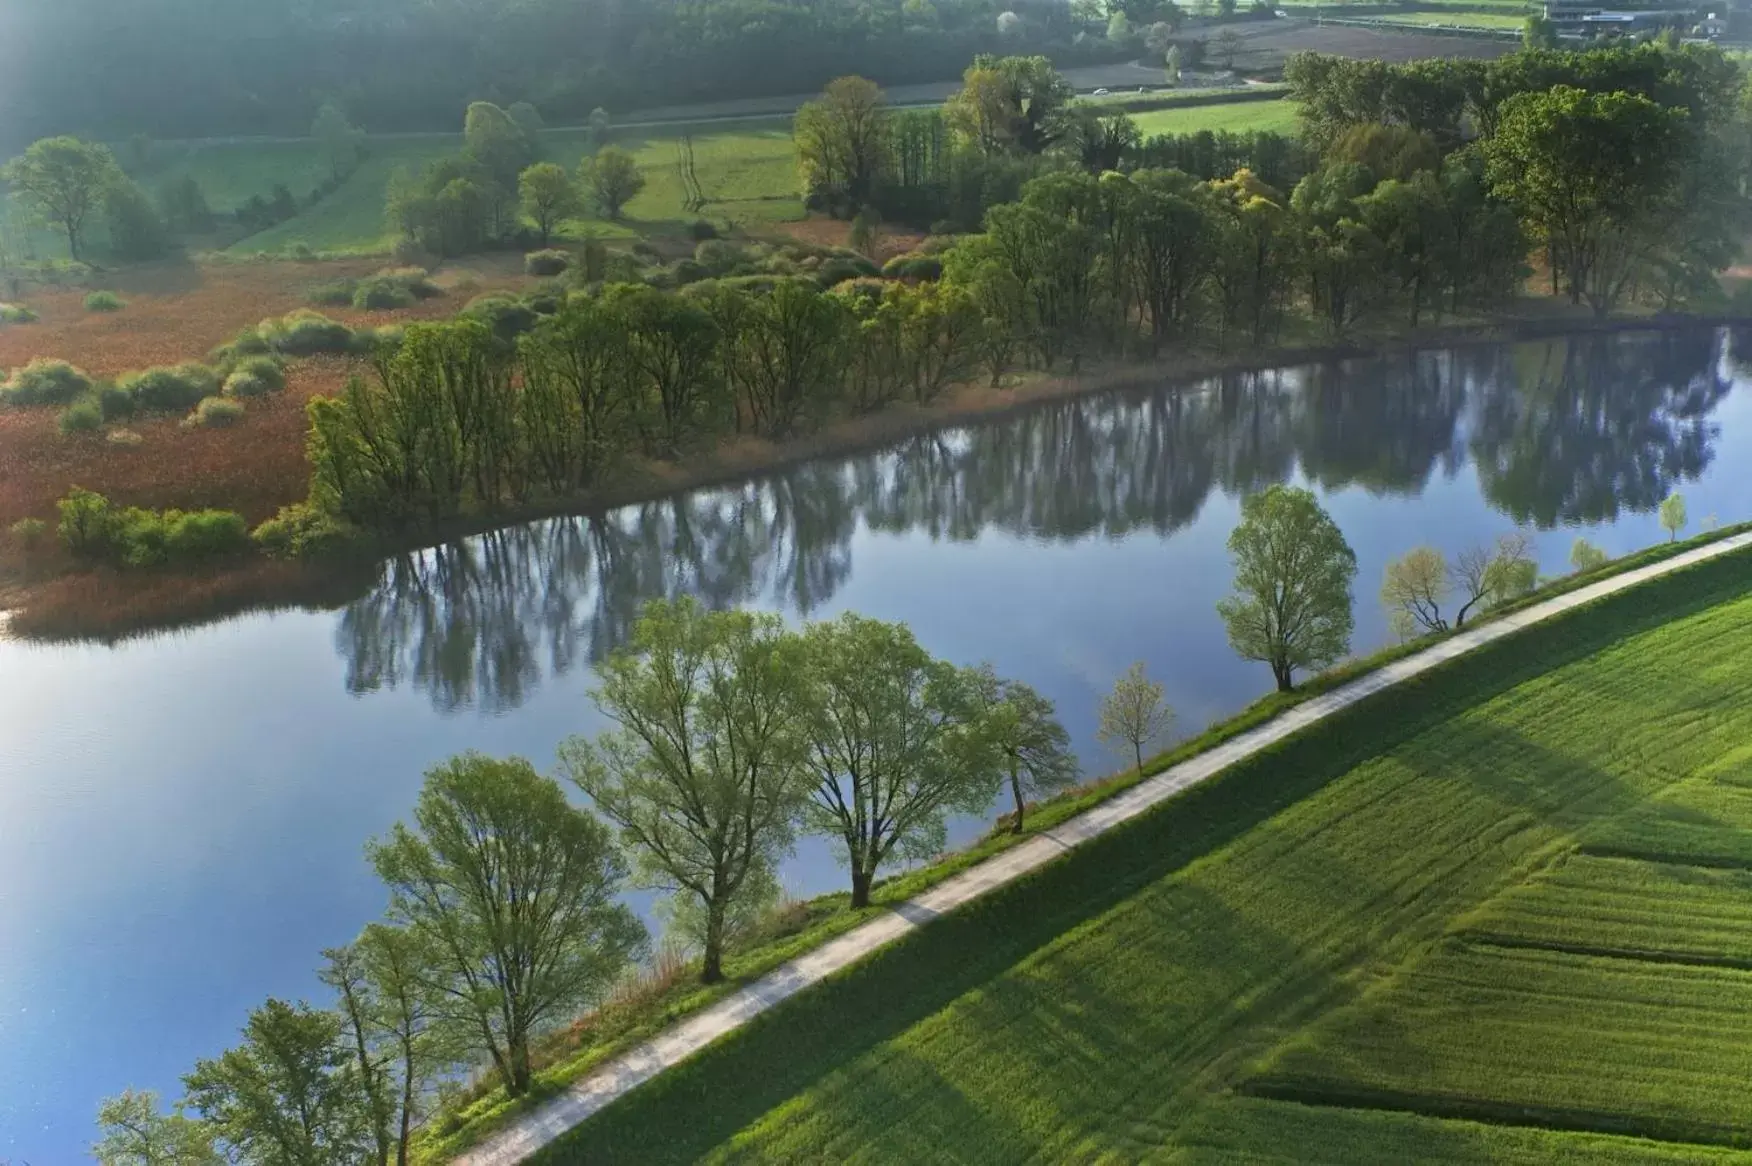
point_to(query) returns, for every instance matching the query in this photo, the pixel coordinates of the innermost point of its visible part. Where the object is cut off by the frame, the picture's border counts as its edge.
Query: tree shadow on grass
(684, 1113)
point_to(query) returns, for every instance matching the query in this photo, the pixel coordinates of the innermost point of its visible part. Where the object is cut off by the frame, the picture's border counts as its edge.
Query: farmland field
(1236, 117)
(1352, 949)
(1463, 19)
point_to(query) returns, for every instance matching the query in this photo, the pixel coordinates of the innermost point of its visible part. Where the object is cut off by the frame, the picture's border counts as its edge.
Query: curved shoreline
(109, 605)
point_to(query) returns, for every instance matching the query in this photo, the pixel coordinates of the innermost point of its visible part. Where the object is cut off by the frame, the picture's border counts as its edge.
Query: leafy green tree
(671, 349)
(1537, 32)
(1293, 571)
(1033, 749)
(843, 141)
(1010, 104)
(1171, 66)
(511, 893)
(785, 351)
(1594, 176)
(1673, 516)
(1342, 258)
(1413, 591)
(1255, 250)
(612, 179)
(704, 774)
(1412, 224)
(1134, 714)
(1585, 556)
(600, 126)
(410, 1047)
(64, 180)
(528, 119)
(494, 140)
(548, 197)
(288, 1095)
(339, 139)
(135, 1132)
(895, 744)
(184, 206)
(136, 232)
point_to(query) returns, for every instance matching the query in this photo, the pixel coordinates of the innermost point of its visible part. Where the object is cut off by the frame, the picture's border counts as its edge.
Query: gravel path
(627, 1071)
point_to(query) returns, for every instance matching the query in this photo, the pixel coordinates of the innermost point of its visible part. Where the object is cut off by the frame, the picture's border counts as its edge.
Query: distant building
(1591, 18)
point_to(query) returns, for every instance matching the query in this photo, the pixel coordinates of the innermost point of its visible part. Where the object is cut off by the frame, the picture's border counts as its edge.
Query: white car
(1099, 93)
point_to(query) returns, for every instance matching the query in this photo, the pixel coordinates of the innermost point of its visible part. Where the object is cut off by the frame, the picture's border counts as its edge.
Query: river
(182, 817)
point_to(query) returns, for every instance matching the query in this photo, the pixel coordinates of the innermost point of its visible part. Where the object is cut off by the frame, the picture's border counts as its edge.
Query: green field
(748, 170)
(1463, 19)
(1235, 116)
(1378, 942)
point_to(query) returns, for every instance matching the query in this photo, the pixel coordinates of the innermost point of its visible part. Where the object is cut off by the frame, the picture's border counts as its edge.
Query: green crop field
(748, 170)
(1294, 961)
(1460, 18)
(1235, 116)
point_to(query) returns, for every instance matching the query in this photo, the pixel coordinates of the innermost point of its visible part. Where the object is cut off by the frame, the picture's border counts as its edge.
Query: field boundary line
(620, 1075)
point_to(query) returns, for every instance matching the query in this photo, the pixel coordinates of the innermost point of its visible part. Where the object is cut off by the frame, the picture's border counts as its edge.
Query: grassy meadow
(1237, 117)
(1388, 939)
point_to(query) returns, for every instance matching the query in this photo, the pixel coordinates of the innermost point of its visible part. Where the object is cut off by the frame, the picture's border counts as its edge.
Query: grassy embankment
(1390, 921)
(593, 1041)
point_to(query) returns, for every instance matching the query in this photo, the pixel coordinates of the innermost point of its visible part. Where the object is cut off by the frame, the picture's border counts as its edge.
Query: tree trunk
(407, 1105)
(1016, 792)
(1138, 752)
(1282, 672)
(861, 880)
(713, 971)
(519, 1055)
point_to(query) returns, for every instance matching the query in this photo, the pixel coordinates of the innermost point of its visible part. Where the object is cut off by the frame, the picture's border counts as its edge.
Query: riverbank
(614, 1050)
(53, 598)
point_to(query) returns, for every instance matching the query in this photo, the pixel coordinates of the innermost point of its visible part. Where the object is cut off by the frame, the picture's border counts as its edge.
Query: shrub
(409, 253)
(116, 403)
(690, 271)
(336, 293)
(300, 531)
(720, 257)
(215, 413)
(200, 534)
(552, 261)
(836, 271)
(88, 523)
(104, 301)
(82, 417)
(29, 533)
(170, 390)
(123, 438)
(16, 314)
(44, 382)
(914, 266)
(701, 229)
(509, 318)
(270, 370)
(249, 342)
(381, 295)
(305, 333)
(245, 384)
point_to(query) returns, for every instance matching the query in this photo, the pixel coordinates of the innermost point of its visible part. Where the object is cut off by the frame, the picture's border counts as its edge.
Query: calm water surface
(181, 818)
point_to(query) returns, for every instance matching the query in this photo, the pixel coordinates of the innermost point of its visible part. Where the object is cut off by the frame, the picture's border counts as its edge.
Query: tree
(494, 141)
(1673, 516)
(1537, 32)
(64, 180)
(1228, 44)
(548, 197)
(1585, 557)
(410, 1048)
(600, 125)
(136, 232)
(1413, 591)
(184, 206)
(894, 744)
(289, 1095)
(842, 141)
(1171, 65)
(1119, 29)
(612, 179)
(528, 119)
(1134, 714)
(340, 140)
(344, 971)
(512, 893)
(1033, 748)
(704, 774)
(1014, 104)
(135, 1132)
(1596, 178)
(1293, 570)
(1488, 577)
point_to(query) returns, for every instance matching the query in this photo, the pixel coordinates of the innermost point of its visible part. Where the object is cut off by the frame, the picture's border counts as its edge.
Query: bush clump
(551, 261)
(215, 413)
(335, 293)
(124, 438)
(507, 316)
(300, 531)
(104, 301)
(170, 390)
(29, 533)
(116, 402)
(302, 333)
(93, 527)
(255, 376)
(44, 382)
(699, 230)
(81, 417)
(16, 314)
(914, 266)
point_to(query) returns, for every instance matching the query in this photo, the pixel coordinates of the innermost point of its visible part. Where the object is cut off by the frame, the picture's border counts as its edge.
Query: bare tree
(1134, 714)
(1491, 576)
(1415, 587)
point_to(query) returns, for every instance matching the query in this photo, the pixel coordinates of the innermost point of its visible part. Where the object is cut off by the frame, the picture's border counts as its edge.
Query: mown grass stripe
(1602, 951)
